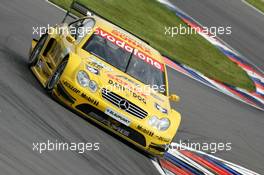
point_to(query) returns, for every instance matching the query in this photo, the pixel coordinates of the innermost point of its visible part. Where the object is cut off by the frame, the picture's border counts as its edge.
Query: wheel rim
(56, 76)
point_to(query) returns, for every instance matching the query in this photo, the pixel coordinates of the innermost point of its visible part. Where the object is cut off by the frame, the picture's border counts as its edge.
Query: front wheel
(54, 79)
(33, 58)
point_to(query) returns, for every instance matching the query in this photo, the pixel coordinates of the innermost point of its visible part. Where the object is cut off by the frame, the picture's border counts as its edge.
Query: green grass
(148, 18)
(259, 4)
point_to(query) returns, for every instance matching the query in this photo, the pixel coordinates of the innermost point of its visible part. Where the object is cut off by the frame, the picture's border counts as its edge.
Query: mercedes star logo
(123, 104)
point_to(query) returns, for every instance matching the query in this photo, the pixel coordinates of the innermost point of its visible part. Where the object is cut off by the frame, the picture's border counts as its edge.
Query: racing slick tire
(34, 56)
(55, 77)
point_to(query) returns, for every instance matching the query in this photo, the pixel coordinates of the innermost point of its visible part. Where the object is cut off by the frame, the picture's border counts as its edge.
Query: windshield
(146, 73)
(128, 60)
(107, 51)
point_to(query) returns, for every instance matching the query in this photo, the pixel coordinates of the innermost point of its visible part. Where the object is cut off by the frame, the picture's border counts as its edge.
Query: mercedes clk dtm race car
(110, 76)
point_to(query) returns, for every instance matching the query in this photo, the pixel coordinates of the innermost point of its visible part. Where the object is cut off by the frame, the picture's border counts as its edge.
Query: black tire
(55, 77)
(34, 56)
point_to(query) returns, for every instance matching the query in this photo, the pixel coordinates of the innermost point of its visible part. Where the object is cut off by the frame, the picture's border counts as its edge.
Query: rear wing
(77, 7)
(85, 11)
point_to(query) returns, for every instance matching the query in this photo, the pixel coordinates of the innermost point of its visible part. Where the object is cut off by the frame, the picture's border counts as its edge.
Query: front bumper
(91, 105)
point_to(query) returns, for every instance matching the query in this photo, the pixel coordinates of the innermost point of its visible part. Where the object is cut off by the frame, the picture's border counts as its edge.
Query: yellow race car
(110, 76)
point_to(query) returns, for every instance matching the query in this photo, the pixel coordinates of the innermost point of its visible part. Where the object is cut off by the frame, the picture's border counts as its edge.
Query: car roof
(128, 38)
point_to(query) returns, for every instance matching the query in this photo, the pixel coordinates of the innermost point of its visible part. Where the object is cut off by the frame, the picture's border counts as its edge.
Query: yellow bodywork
(92, 104)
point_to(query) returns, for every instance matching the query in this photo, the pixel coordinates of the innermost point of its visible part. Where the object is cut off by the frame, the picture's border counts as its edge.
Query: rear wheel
(54, 79)
(33, 58)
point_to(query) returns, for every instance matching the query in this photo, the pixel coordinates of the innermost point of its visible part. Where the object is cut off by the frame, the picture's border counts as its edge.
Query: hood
(129, 88)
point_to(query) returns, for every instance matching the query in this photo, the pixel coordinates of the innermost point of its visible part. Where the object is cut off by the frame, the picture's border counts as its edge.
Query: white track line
(158, 167)
(256, 9)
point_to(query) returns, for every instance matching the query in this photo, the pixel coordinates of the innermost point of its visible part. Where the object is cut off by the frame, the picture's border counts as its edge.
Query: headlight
(153, 120)
(161, 124)
(93, 86)
(83, 79)
(164, 124)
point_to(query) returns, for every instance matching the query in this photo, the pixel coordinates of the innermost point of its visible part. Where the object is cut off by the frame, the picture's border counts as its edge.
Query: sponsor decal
(89, 99)
(116, 126)
(98, 64)
(71, 87)
(119, 117)
(92, 70)
(123, 88)
(139, 54)
(128, 79)
(162, 138)
(118, 86)
(82, 94)
(131, 41)
(146, 131)
(95, 65)
(127, 85)
(139, 98)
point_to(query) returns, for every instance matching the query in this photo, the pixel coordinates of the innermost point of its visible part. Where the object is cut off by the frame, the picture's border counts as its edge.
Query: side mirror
(70, 39)
(174, 98)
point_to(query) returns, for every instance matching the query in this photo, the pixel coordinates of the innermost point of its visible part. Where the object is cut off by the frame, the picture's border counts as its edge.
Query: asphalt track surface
(28, 115)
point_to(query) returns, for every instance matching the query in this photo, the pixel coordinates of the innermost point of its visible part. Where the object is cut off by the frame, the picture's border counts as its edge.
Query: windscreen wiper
(130, 57)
